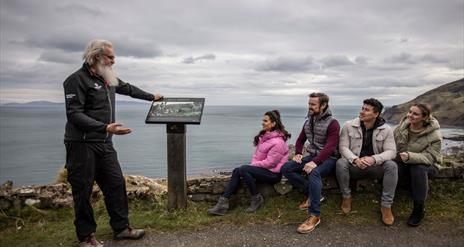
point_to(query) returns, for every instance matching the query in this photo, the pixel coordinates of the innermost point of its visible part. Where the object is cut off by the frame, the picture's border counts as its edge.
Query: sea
(32, 149)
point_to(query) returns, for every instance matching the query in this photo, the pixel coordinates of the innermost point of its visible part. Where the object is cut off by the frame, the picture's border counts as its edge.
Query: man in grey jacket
(367, 146)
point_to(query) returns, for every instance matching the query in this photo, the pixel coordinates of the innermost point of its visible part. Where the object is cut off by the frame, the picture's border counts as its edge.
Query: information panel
(176, 110)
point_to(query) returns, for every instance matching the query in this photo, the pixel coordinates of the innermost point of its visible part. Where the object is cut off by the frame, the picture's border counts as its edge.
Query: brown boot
(387, 216)
(346, 205)
(309, 224)
(304, 205)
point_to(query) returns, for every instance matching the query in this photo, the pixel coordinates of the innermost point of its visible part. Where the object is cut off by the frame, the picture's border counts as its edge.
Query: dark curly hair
(274, 116)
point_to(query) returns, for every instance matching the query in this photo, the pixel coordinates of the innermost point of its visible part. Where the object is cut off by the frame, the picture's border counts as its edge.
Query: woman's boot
(221, 207)
(256, 202)
(417, 215)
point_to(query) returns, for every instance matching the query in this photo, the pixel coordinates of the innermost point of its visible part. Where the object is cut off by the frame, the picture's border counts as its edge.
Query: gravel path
(323, 235)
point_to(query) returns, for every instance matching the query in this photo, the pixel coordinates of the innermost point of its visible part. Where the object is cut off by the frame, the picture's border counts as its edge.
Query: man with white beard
(90, 155)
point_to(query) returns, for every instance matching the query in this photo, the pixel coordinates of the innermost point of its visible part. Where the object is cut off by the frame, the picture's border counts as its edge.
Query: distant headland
(447, 102)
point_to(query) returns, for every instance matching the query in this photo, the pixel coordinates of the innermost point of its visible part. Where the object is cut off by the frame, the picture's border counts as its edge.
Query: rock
(445, 172)
(203, 197)
(32, 202)
(191, 182)
(25, 192)
(219, 187)
(17, 203)
(46, 199)
(8, 185)
(62, 202)
(4, 204)
(458, 170)
(283, 187)
(139, 181)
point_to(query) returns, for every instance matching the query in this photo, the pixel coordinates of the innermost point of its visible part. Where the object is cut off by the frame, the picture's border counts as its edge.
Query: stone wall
(199, 189)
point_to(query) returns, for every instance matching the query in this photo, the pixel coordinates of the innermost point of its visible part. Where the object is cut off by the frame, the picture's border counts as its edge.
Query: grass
(33, 227)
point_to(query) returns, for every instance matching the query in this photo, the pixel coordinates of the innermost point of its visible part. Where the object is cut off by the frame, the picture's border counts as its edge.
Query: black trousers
(89, 162)
(415, 177)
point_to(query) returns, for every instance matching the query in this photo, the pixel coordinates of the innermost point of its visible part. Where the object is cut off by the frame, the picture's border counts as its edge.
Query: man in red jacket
(322, 132)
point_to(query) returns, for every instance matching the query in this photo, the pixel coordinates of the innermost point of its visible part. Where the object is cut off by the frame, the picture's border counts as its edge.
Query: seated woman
(418, 143)
(270, 154)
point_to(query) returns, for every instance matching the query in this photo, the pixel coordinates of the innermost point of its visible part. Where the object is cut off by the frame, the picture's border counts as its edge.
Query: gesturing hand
(115, 128)
(157, 96)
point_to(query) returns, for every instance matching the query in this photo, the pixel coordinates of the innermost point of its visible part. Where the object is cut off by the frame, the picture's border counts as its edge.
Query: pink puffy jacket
(271, 152)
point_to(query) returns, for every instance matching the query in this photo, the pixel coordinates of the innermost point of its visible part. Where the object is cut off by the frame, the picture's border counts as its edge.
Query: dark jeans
(312, 185)
(415, 177)
(89, 162)
(249, 174)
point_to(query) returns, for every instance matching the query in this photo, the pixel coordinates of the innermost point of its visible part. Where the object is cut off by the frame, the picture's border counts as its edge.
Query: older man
(90, 155)
(367, 147)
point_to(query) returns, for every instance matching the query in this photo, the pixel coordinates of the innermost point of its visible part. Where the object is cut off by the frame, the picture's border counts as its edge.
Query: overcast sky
(238, 52)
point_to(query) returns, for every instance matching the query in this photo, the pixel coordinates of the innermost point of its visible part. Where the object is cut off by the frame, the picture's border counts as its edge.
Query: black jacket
(90, 105)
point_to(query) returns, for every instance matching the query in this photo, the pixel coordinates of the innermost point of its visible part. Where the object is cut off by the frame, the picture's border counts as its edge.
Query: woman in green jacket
(418, 143)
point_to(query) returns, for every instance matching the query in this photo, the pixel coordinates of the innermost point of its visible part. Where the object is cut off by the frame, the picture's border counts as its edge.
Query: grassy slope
(32, 227)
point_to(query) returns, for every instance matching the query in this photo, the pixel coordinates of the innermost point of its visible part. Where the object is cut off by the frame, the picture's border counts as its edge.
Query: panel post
(177, 176)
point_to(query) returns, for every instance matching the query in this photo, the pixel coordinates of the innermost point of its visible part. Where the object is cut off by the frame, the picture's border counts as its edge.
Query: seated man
(322, 131)
(368, 147)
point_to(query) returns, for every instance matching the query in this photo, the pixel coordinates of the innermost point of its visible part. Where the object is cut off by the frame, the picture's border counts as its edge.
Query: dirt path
(324, 235)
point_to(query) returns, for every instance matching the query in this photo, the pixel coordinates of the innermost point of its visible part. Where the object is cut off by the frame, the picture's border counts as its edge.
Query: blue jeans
(249, 174)
(312, 184)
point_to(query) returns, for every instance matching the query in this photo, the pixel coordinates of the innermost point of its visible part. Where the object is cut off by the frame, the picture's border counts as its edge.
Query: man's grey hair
(95, 47)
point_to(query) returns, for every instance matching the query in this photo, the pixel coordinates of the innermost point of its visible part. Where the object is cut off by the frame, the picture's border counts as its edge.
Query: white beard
(108, 74)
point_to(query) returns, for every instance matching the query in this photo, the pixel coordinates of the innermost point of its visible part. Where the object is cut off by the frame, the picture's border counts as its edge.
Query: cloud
(335, 61)
(269, 51)
(361, 60)
(58, 56)
(402, 58)
(407, 58)
(434, 59)
(192, 60)
(68, 42)
(286, 64)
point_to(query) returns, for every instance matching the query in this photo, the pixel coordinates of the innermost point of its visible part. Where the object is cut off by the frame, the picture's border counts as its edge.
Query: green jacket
(425, 148)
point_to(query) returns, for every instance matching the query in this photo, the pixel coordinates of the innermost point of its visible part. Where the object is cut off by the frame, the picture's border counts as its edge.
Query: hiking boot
(387, 216)
(256, 202)
(90, 241)
(418, 213)
(309, 224)
(221, 207)
(304, 205)
(129, 233)
(346, 204)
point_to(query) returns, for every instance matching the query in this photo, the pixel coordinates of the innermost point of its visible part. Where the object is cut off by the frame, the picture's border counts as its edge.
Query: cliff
(447, 102)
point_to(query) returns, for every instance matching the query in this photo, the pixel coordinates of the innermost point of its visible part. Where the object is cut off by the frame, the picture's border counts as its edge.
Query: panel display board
(176, 110)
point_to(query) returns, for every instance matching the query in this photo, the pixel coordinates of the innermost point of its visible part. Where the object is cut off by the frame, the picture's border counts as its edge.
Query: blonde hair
(95, 47)
(426, 111)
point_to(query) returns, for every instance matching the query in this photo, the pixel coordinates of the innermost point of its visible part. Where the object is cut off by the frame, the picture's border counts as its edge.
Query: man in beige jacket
(367, 146)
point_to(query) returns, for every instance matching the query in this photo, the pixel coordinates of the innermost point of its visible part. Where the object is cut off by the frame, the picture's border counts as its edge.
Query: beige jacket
(382, 139)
